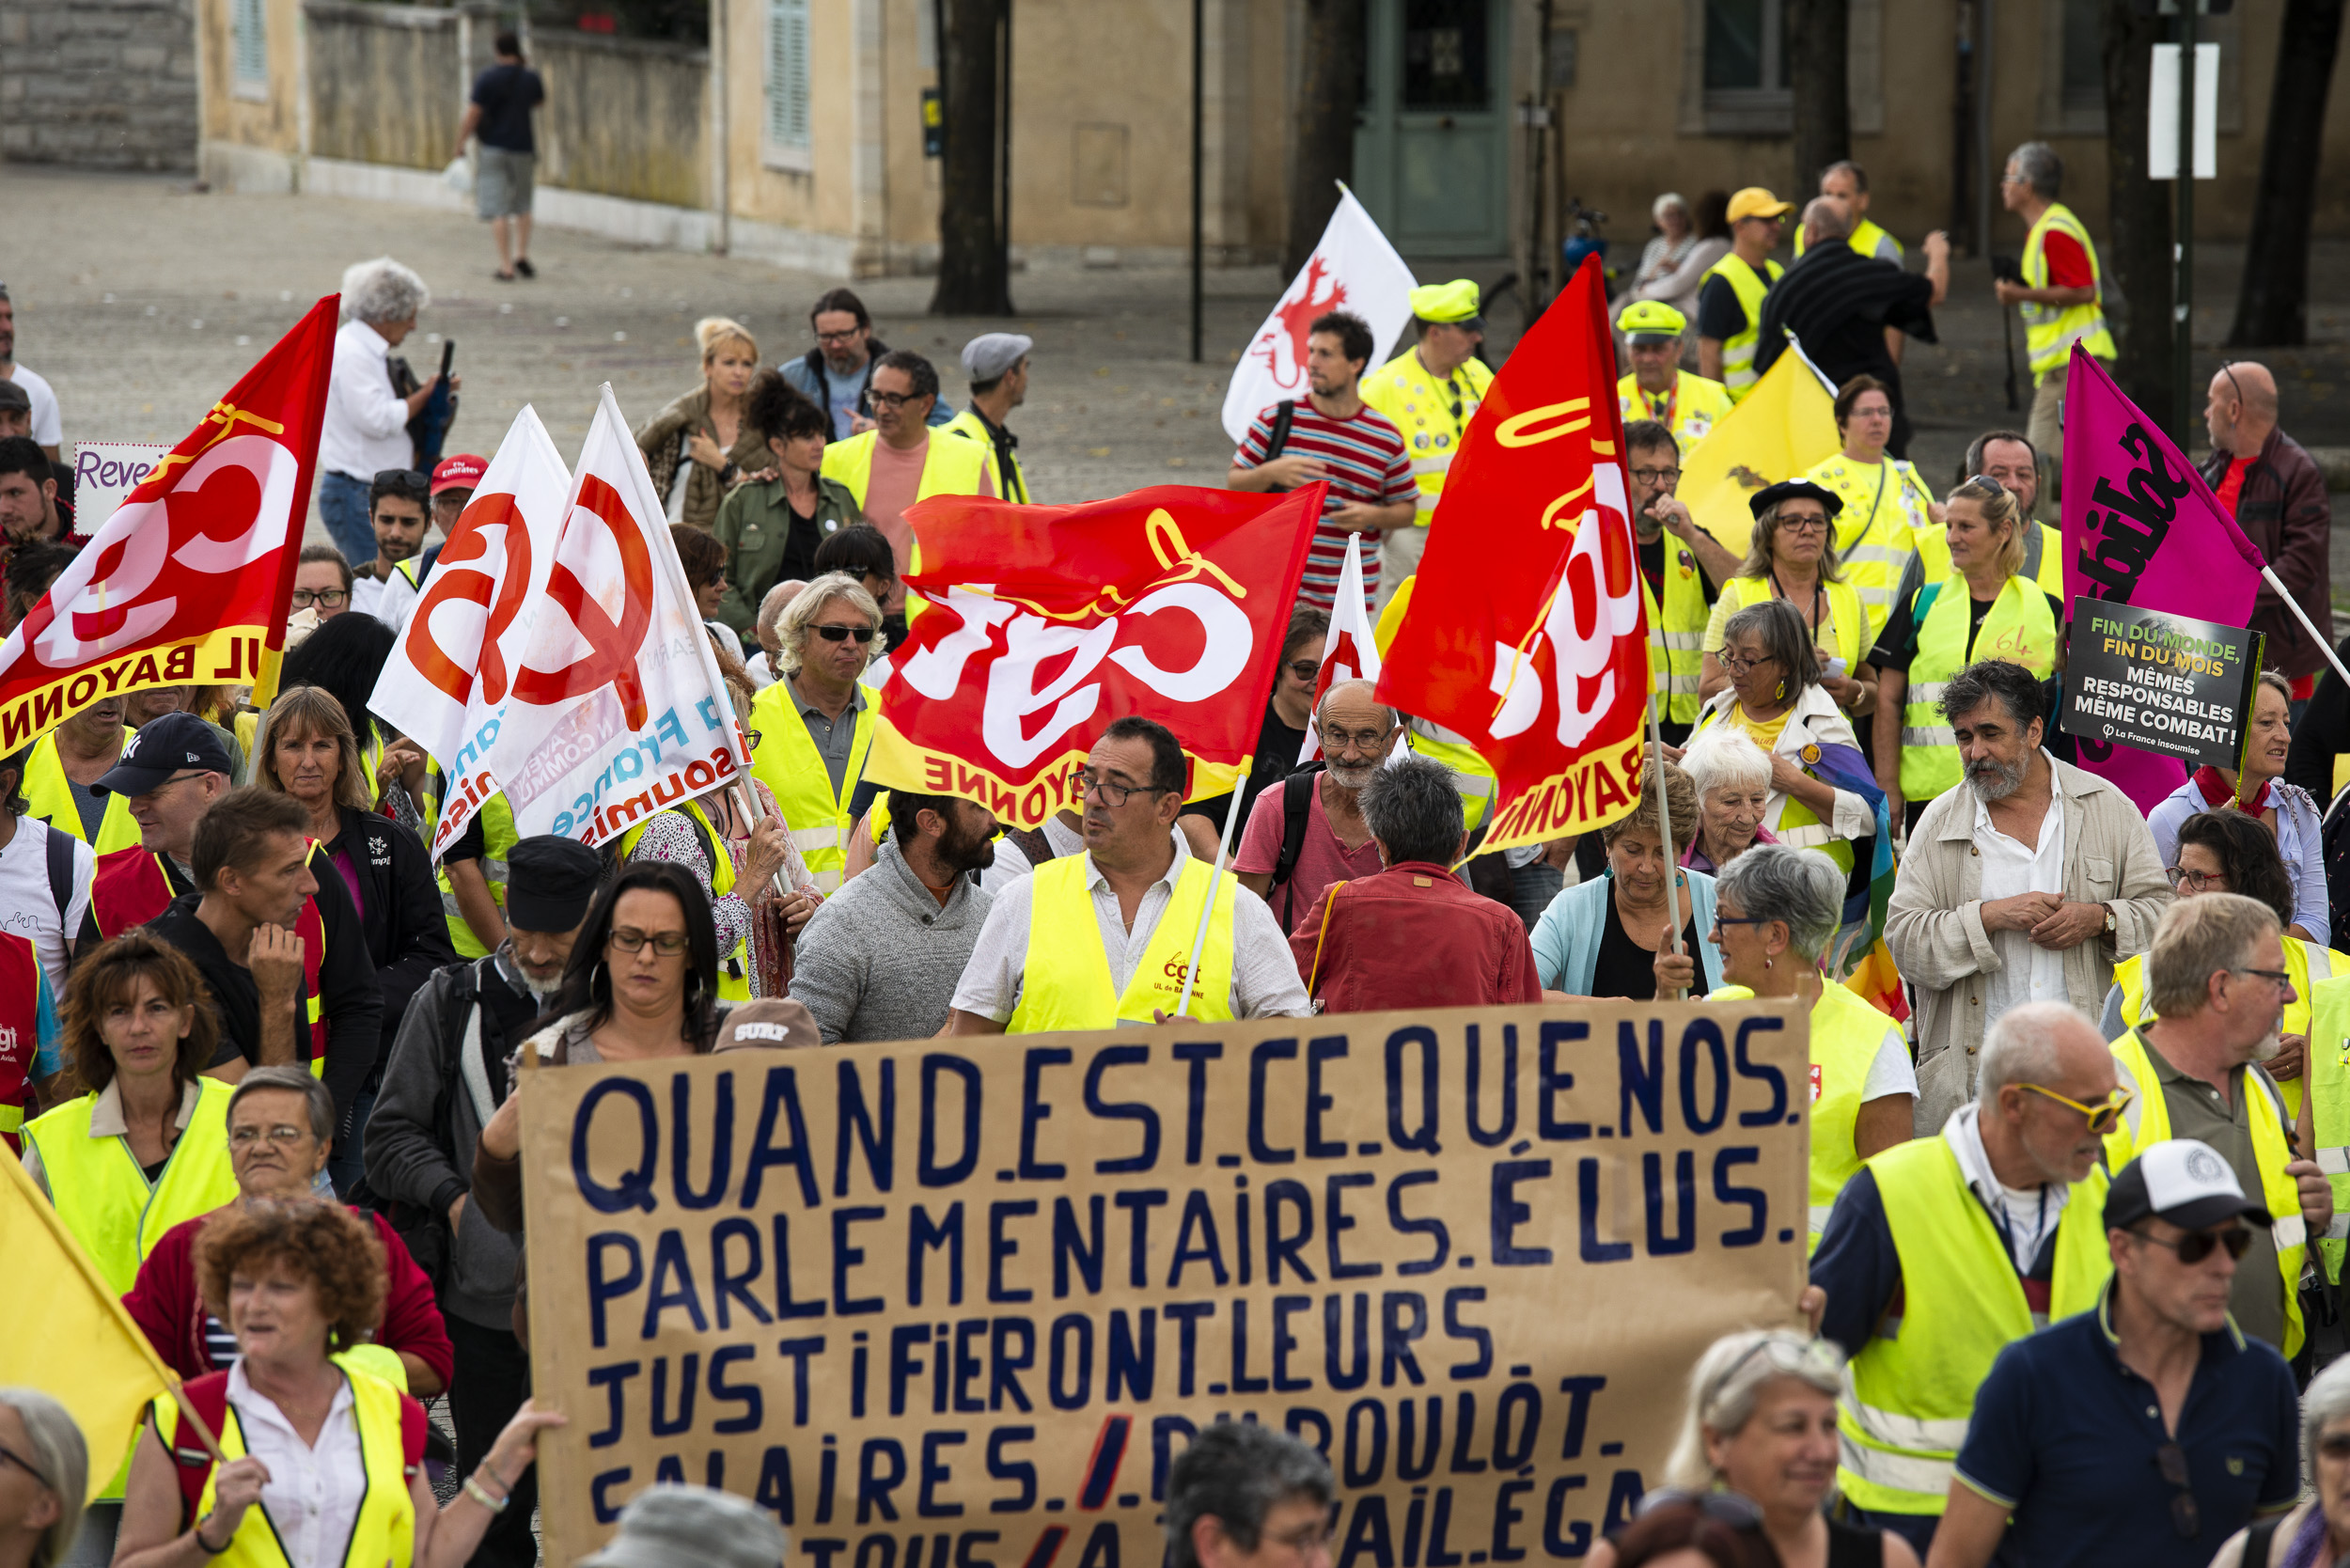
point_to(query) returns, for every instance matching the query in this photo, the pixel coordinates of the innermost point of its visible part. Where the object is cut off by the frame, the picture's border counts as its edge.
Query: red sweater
(165, 1304)
(1413, 936)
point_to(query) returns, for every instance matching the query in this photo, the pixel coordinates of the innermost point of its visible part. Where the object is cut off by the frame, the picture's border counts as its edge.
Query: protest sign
(105, 473)
(2163, 683)
(967, 1300)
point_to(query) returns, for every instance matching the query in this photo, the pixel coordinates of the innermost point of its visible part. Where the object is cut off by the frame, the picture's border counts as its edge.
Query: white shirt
(367, 596)
(2027, 1213)
(366, 429)
(395, 598)
(48, 429)
(1891, 1071)
(1011, 861)
(2027, 972)
(28, 906)
(314, 1490)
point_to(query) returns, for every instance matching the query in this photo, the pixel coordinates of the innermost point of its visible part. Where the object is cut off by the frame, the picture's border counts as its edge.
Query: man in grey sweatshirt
(880, 958)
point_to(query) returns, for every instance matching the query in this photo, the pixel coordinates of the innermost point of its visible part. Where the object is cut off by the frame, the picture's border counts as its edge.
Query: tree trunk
(1818, 38)
(2136, 262)
(1329, 90)
(2273, 307)
(974, 263)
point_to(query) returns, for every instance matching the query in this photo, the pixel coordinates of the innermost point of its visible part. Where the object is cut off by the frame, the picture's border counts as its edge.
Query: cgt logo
(612, 646)
(475, 592)
(1597, 602)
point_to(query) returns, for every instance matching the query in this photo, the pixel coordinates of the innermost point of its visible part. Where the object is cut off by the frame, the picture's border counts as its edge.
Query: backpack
(58, 848)
(208, 1397)
(1284, 414)
(1297, 801)
(425, 1233)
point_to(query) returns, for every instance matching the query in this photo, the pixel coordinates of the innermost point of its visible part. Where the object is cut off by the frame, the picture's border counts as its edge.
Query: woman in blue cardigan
(1602, 939)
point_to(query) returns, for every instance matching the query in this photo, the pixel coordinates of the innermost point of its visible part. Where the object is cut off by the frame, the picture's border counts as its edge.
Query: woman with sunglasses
(2318, 1530)
(1775, 911)
(1757, 1450)
(2285, 811)
(1792, 556)
(1983, 609)
(44, 1472)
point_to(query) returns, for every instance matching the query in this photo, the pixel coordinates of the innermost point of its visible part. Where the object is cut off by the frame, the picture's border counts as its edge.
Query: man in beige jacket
(2027, 883)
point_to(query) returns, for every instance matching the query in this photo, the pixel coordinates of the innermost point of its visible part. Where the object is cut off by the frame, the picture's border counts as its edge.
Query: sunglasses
(2196, 1245)
(2186, 1517)
(842, 633)
(1305, 669)
(2103, 1118)
(7, 1456)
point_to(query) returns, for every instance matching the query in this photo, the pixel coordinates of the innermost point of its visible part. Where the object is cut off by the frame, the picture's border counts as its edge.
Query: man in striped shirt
(1334, 435)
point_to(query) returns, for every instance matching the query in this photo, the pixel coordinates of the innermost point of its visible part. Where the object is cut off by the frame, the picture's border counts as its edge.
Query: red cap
(462, 472)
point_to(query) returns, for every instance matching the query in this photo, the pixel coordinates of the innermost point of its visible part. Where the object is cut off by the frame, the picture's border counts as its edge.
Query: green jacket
(753, 523)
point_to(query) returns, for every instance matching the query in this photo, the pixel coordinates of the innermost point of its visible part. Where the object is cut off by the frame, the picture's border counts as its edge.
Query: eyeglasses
(1735, 1509)
(1656, 475)
(1737, 665)
(404, 477)
(1305, 669)
(331, 598)
(245, 1137)
(668, 943)
(2276, 977)
(1804, 524)
(2186, 1517)
(752, 737)
(2196, 1245)
(1305, 1540)
(1091, 783)
(842, 633)
(894, 400)
(1355, 740)
(10, 1456)
(2196, 882)
(838, 337)
(2102, 1117)
(1722, 919)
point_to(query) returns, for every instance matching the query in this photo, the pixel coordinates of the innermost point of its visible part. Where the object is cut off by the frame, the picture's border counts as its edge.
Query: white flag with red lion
(1352, 269)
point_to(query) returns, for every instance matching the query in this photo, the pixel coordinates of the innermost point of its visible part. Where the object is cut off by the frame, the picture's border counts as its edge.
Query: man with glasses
(1680, 581)
(1659, 388)
(399, 510)
(2149, 1430)
(816, 722)
(1311, 832)
(2272, 486)
(901, 459)
(1105, 939)
(1244, 1495)
(1430, 393)
(168, 777)
(2216, 985)
(833, 374)
(1942, 1250)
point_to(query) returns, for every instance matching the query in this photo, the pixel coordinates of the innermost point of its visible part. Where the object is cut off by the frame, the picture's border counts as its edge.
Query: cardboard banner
(966, 1301)
(2162, 683)
(105, 473)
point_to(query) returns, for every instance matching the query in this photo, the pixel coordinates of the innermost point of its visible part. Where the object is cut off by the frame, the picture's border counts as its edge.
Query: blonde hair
(713, 333)
(1727, 1384)
(313, 711)
(1998, 506)
(791, 626)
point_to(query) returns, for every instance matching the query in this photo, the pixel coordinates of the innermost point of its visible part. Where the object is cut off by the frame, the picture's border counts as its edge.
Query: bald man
(2277, 495)
(1332, 841)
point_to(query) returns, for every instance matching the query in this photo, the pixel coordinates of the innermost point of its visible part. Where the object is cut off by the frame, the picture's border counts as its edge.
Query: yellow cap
(1651, 321)
(1453, 303)
(1756, 202)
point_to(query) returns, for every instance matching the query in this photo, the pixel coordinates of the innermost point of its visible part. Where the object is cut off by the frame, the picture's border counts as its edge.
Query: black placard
(2163, 683)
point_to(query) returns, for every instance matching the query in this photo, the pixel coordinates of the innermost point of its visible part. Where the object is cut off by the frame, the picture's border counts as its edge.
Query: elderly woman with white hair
(366, 429)
(44, 1472)
(1757, 1444)
(1733, 779)
(2317, 1532)
(1775, 911)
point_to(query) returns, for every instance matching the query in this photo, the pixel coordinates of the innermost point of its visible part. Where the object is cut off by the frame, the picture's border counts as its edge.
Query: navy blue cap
(161, 748)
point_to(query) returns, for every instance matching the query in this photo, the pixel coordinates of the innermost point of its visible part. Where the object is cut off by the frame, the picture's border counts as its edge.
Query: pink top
(1696, 859)
(1322, 860)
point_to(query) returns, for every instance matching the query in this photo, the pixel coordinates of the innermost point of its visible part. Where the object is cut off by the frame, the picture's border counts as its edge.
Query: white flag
(448, 676)
(1352, 269)
(617, 709)
(1349, 650)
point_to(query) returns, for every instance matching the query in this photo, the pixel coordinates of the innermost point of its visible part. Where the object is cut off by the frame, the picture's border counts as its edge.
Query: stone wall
(102, 84)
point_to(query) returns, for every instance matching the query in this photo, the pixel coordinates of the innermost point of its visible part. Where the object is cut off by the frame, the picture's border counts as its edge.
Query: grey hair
(2326, 1400)
(1776, 881)
(382, 290)
(290, 1081)
(2038, 163)
(1671, 199)
(1413, 807)
(1726, 1384)
(1394, 718)
(1723, 757)
(1784, 636)
(791, 626)
(771, 608)
(1235, 1473)
(2196, 939)
(2001, 681)
(2020, 1047)
(61, 1460)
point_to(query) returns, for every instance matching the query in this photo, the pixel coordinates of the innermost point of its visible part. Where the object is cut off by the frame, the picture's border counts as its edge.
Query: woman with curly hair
(145, 1145)
(331, 1455)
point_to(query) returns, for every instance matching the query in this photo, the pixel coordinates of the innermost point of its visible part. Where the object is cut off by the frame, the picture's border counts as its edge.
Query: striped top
(1366, 465)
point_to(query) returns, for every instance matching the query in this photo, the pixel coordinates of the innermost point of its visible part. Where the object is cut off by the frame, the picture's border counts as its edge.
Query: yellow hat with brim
(1756, 202)
(1453, 304)
(1652, 322)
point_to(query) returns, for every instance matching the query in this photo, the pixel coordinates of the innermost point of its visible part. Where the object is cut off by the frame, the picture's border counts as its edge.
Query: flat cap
(549, 882)
(990, 354)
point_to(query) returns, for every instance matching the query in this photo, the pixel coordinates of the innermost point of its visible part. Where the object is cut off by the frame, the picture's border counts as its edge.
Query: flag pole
(2268, 574)
(749, 808)
(1665, 822)
(1207, 907)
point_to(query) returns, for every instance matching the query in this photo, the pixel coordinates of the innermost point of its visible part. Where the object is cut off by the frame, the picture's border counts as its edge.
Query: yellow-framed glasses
(2102, 1117)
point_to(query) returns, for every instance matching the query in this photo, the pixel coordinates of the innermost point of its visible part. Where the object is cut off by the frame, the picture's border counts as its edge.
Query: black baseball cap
(161, 748)
(2182, 1181)
(549, 882)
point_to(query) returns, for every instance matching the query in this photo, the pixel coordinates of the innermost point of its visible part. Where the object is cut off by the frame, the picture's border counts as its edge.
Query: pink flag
(2142, 527)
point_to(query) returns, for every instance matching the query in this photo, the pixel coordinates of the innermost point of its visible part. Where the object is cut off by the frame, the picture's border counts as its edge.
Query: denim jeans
(343, 508)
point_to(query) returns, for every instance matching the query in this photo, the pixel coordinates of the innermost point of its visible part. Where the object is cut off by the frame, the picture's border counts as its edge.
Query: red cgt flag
(1544, 664)
(187, 583)
(1038, 626)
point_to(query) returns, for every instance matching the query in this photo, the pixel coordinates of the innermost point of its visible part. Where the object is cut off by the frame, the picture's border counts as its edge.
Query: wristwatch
(2110, 922)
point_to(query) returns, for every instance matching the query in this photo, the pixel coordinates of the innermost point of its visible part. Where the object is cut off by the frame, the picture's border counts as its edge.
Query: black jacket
(399, 911)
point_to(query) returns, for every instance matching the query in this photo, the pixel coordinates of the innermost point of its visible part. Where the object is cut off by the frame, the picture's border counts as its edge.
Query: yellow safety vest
(498, 839)
(2328, 1076)
(99, 1191)
(1690, 410)
(954, 466)
(2049, 330)
(1876, 532)
(788, 762)
(2017, 627)
(972, 428)
(1845, 622)
(1738, 373)
(2306, 962)
(385, 1530)
(1933, 557)
(1866, 239)
(1910, 1392)
(2147, 1122)
(1066, 983)
(1421, 407)
(734, 981)
(51, 798)
(1677, 633)
(1846, 1035)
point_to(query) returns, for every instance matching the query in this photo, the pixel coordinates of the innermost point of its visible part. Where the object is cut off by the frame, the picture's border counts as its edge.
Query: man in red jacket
(280, 1130)
(1413, 935)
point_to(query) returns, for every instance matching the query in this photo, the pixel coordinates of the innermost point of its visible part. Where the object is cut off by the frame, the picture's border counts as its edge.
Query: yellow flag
(67, 1334)
(1783, 427)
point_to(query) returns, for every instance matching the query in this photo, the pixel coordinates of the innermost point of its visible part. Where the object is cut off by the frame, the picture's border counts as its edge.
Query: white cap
(2185, 1181)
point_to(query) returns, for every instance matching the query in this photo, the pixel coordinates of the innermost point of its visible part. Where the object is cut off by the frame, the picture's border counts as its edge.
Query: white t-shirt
(48, 429)
(1891, 1072)
(2027, 972)
(366, 594)
(28, 906)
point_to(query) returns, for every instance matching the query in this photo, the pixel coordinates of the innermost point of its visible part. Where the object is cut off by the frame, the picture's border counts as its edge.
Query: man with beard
(446, 1076)
(1332, 842)
(397, 504)
(880, 959)
(2026, 885)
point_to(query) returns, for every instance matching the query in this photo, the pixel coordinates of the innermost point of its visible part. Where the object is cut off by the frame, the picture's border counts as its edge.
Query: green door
(1430, 146)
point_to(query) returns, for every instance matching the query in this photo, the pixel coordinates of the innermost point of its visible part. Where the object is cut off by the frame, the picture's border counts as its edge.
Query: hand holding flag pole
(1223, 851)
(1675, 878)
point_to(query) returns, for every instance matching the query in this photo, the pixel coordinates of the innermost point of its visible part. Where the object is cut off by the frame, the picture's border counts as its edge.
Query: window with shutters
(249, 49)
(786, 142)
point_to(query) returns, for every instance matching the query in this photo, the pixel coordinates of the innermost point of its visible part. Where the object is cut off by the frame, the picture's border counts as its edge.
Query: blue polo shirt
(2065, 1435)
